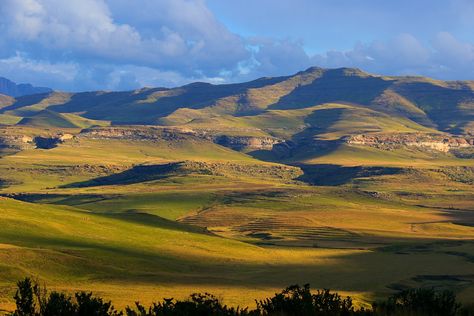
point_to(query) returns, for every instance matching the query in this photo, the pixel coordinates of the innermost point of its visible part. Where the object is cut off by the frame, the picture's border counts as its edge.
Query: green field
(142, 212)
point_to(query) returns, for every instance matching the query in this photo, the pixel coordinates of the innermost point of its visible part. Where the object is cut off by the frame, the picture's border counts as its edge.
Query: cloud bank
(125, 44)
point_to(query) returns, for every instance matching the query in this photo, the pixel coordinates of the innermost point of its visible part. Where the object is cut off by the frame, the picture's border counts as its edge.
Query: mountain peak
(10, 88)
(344, 71)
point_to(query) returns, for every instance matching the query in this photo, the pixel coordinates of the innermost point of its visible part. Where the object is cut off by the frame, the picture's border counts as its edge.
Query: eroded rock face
(133, 133)
(436, 142)
(247, 142)
(169, 134)
(18, 141)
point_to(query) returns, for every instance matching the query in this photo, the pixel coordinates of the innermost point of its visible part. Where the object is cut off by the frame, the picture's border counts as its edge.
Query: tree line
(295, 300)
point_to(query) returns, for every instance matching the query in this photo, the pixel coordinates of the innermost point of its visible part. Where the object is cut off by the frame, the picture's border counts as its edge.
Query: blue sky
(79, 45)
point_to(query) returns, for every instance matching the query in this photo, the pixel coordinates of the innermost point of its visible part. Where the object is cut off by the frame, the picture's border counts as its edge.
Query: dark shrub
(58, 304)
(31, 300)
(197, 305)
(24, 298)
(299, 301)
(419, 302)
(87, 305)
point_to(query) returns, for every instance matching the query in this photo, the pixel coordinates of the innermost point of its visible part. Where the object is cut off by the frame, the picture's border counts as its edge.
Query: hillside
(446, 106)
(346, 180)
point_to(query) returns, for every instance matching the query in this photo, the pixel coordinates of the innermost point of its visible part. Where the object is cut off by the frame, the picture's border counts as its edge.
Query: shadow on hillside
(334, 86)
(147, 219)
(25, 101)
(398, 265)
(61, 199)
(118, 106)
(305, 144)
(333, 175)
(441, 104)
(136, 174)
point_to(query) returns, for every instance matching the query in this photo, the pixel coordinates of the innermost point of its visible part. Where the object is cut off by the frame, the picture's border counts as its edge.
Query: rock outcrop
(156, 134)
(17, 140)
(437, 142)
(247, 142)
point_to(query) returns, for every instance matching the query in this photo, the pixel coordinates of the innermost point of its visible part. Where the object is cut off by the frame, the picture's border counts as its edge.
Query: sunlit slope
(46, 119)
(145, 211)
(325, 121)
(447, 106)
(5, 100)
(83, 158)
(137, 256)
(6, 119)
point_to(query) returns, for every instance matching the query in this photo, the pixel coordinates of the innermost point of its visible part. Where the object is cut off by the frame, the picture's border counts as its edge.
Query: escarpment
(437, 142)
(156, 134)
(20, 140)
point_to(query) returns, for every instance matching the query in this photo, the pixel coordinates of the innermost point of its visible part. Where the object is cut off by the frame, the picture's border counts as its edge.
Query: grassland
(224, 233)
(144, 218)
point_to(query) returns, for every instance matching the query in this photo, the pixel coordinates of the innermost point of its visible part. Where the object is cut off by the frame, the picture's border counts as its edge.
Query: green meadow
(133, 210)
(236, 236)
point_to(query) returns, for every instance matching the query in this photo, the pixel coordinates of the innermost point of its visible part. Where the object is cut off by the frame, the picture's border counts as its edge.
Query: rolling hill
(352, 181)
(446, 106)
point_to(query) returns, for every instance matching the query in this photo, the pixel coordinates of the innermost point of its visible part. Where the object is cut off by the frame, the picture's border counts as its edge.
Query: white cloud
(115, 44)
(180, 35)
(277, 57)
(22, 69)
(445, 57)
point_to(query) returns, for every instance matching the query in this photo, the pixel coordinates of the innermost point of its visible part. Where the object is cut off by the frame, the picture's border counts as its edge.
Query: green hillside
(447, 106)
(47, 119)
(346, 180)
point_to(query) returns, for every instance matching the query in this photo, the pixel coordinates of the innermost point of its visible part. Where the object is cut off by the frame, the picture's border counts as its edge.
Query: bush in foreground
(31, 300)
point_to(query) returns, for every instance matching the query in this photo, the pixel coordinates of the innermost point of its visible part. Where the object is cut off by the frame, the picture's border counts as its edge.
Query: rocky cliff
(12, 89)
(18, 140)
(438, 142)
(170, 134)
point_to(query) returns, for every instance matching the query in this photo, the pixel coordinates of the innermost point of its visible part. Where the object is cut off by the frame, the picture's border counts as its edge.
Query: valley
(346, 180)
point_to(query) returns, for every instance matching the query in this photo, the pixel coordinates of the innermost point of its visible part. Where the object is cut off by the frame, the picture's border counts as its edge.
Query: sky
(79, 45)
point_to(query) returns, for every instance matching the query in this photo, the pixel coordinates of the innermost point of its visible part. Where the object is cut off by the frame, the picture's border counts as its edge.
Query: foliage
(419, 302)
(197, 304)
(31, 300)
(296, 300)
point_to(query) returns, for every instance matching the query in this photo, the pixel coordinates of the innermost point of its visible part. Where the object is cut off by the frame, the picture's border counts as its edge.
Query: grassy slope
(75, 248)
(364, 237)
(446, 105)
(91, 236)
(6, 119)
(47, 119)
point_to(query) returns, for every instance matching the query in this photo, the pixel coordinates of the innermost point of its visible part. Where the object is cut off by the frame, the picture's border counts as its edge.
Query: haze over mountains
(10, 88)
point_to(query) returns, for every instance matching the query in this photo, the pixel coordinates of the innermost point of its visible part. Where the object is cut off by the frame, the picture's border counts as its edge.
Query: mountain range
(279, 106)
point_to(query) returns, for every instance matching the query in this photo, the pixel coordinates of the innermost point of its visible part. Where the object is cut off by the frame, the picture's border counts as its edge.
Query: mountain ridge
(10, 88)
(444, 105)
